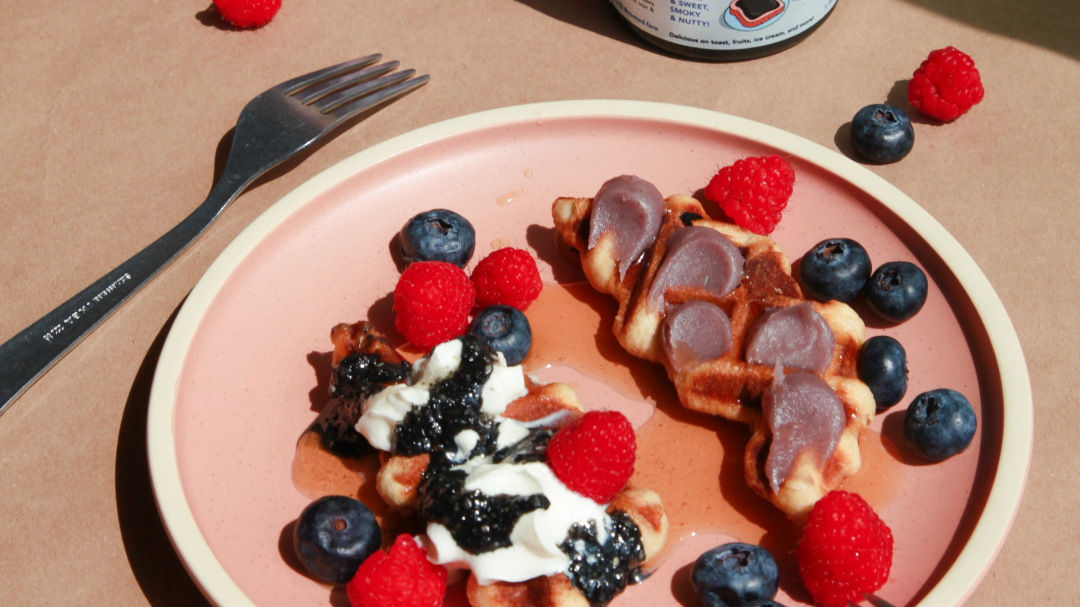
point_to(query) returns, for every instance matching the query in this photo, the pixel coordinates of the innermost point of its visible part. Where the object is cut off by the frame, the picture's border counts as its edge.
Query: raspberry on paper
(432, 302)
(402, 578)
(248, 13)
(845, 550)
(753, 191)
(594, 456)
(509, 277)
(946, 85)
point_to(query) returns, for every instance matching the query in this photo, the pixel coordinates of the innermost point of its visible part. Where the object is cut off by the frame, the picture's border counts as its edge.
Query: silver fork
(272, 128)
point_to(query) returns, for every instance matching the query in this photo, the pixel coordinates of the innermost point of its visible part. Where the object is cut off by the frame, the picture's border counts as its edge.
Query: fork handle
(30, 353)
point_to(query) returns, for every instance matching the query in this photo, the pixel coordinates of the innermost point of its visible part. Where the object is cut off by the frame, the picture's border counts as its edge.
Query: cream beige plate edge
(1018, 423)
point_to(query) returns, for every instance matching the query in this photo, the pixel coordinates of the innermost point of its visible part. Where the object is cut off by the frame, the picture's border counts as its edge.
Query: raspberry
(509, 277)
(248, 13)
(594, 456)
(753, 191)
(946, 85)
(432, 301)
(845, 550)
(402, 578)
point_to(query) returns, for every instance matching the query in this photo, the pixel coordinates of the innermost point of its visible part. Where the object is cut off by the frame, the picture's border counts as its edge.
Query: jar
(724, 30)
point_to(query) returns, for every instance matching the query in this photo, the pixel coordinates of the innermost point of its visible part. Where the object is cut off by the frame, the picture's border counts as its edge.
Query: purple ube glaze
(631, 209)
(699, 257)
(796, 336)
(804, 415)
(695, 332)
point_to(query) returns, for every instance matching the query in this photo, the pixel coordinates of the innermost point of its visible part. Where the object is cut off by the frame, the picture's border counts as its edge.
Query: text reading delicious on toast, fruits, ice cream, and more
(724, 24)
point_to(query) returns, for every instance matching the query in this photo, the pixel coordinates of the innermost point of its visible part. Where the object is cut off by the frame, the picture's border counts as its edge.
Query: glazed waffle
(729, 386)
(399, 477)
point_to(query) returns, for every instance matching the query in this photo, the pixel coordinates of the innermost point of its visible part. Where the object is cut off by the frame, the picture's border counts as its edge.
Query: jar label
(724, 24)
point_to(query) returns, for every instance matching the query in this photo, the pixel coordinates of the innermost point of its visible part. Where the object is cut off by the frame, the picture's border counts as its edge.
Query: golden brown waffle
(399, 477)
(729, 386)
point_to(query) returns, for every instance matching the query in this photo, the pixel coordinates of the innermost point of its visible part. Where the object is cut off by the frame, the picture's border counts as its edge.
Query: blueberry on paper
(836, 268)
(897, 291)
(333, 536)
(939, 424)
(438, 235)
(882, 133)
(735, 575)
(505, 329)
(883, 368)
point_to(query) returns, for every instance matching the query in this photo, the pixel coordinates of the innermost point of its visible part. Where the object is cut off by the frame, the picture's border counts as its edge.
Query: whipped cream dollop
(387, 408)
(536, 535)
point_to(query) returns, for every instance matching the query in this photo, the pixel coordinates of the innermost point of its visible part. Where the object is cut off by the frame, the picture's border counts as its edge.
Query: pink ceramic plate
(244, 365)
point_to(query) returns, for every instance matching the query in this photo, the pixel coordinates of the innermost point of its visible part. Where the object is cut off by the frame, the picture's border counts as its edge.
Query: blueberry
(835, 269)
(438, 235)
(334, 535)
(882, 133)
(505, 329)
(883, 367)
(896, 291)
(735, 575)
(939, 424)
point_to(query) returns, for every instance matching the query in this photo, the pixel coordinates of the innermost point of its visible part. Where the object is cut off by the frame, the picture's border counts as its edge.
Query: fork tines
(364, 80)
(301, 82)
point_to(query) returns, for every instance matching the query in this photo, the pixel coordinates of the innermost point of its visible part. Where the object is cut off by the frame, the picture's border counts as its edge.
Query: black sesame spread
(688, 218)
(601, 571)
(453, 406)
(336, 426)
(584, 230)
(532, 448)
(478, 522)
(359, 376)
(355, 378)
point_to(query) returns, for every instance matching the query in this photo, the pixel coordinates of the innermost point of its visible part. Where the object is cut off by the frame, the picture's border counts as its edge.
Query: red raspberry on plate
(248, 13)
(594, 456)
(402, 578)
(946, 85)
(845, 550)
(753, 191)
(507, 276)
(432, 302)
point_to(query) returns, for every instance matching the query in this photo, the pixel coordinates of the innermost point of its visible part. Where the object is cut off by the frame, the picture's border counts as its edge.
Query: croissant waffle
(399, 477)
(729, 386)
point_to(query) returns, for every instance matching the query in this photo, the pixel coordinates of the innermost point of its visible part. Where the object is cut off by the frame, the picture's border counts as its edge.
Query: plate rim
(1006, 493)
